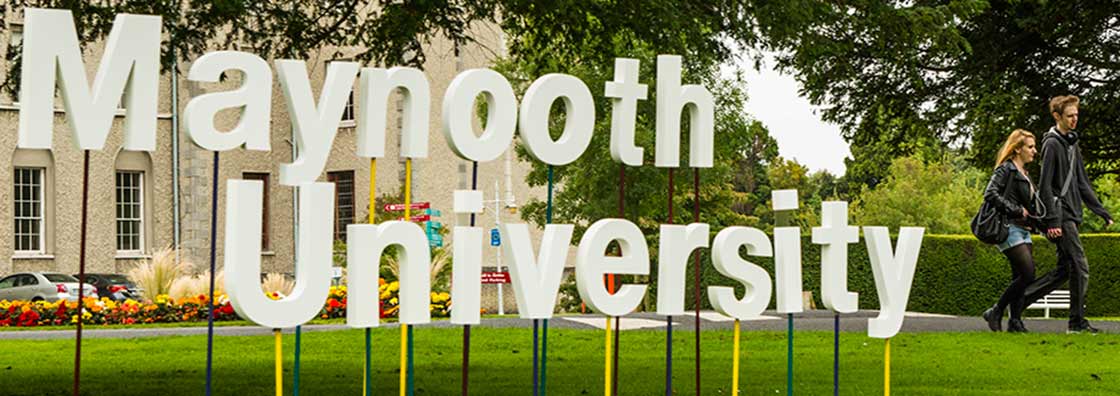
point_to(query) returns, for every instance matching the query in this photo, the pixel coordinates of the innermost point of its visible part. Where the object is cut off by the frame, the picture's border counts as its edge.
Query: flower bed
(165, 309)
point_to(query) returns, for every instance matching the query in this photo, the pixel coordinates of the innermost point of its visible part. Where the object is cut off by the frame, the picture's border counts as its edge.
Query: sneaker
(993, 318)
(1082, 327)
(1016, 326)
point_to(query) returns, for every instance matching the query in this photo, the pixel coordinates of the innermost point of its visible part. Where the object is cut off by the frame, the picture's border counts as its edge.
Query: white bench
(1057, 299)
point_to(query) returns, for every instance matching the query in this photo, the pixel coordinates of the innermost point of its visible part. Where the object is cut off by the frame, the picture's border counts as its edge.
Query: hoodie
(1055, 168)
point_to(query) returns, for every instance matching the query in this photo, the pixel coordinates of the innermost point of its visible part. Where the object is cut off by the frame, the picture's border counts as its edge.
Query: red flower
(29, 318)
(334, 304)
(226, 309)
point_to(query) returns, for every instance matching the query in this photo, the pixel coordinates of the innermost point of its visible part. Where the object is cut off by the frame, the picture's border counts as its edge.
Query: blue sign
(495, 237)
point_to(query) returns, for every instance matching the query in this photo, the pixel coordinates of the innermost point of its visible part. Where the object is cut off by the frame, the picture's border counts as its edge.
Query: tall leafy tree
(953, 71)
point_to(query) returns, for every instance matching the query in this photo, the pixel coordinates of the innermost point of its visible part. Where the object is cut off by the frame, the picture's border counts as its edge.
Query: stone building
(141, 202)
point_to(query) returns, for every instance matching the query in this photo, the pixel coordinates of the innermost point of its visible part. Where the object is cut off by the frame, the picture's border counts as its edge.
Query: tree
(590, 187)
(941, 195)
(390, 32)
(749, 176)
(955, 71)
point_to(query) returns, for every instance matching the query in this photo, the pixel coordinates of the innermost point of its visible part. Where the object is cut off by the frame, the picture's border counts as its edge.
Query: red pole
(81, 274)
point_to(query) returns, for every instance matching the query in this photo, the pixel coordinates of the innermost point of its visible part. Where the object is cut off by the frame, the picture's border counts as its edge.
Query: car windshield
(60, 278)
(115, 279)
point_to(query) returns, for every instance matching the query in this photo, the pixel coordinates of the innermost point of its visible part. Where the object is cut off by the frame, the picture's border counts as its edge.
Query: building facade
(140, 202)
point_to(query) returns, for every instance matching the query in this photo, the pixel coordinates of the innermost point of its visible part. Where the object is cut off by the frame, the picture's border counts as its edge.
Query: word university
(129, 68)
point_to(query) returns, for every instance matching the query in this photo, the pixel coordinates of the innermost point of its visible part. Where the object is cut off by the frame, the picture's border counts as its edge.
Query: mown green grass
(501, 361)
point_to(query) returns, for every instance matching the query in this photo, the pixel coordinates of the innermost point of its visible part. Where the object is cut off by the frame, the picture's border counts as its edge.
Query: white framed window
(130, 211)
(348, 111)
(349, 118)
(28, 210)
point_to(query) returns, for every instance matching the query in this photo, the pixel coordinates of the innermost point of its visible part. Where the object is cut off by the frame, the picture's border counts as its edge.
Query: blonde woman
(1011, 191)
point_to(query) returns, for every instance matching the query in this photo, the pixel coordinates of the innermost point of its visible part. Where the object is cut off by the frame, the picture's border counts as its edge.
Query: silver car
(47, 286)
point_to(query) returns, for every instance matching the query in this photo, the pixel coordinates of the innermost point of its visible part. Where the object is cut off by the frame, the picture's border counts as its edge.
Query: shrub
(157, 274)
(956, 274)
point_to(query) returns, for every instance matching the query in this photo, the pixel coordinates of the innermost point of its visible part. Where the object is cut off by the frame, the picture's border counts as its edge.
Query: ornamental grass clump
(156, 275)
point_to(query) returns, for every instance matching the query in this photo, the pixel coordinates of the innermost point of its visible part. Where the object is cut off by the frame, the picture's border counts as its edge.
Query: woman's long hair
(1015, 141)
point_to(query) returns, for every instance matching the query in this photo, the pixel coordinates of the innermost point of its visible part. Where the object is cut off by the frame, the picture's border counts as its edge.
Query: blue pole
(789, 358)
(210, 301)
(836, 355)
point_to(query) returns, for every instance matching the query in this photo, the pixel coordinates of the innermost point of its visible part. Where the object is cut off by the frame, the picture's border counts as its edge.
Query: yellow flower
(393, 301)
(394, 286)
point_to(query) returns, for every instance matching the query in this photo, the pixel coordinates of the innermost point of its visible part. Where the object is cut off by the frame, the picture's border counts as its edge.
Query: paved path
(709, 321)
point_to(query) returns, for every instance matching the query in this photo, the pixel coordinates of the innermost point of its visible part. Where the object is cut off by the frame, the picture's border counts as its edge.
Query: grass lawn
(922, 364)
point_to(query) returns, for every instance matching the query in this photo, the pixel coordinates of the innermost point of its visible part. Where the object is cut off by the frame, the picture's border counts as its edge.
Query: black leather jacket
(1010, 192)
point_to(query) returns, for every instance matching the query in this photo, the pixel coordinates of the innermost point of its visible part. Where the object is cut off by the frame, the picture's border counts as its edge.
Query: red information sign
(491, 278)
(400, 207)
(417, 218)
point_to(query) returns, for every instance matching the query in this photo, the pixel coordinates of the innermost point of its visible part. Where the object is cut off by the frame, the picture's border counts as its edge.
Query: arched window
(33, 202)
(133, 174)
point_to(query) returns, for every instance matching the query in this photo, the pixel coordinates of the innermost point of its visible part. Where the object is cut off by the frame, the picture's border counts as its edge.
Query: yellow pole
(372, 189)
(887, 370)
(372, 209)
(607, 377)
(404, 327)
(279, 366)
(735, 362)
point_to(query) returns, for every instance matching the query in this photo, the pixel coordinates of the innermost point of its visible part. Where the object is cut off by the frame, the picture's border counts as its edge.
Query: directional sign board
(490, 278)
(417, 218)
(400, 207)
(495, 237)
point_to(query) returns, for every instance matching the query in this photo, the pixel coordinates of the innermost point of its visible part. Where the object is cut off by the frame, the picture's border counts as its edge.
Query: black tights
(1022, 274)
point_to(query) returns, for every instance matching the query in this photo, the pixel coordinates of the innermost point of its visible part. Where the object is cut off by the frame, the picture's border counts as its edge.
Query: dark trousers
(1072, 266)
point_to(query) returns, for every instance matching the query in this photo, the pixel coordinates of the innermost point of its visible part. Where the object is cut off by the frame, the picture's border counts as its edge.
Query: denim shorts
(1015, 236)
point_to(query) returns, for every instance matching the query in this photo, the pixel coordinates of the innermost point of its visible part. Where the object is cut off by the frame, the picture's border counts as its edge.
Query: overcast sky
(800, 133)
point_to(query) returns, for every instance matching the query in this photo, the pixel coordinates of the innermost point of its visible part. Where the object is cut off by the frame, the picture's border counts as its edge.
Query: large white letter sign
(726, 260)
(375, 85)
(466, 263)
(592, 264)
(671, 99)
(677, 243)
(365, 244)
(894, 274)
(458, 115)
(131, 59)
(835, 234)
(314, 126)
(625, 92)
(536, 281)
(787, 260)
(579, 122)
(243, 255)
(255, 95)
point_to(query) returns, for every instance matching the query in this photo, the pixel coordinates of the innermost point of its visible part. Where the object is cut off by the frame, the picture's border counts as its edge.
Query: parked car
(47, 286)
(115, 287)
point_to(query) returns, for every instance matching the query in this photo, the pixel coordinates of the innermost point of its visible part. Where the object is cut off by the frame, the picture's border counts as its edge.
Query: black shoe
(1016, 326)
(1082, 327)
(994, 318)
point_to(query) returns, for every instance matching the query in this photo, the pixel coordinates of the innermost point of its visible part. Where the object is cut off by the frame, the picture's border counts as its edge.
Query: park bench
(1057, 299)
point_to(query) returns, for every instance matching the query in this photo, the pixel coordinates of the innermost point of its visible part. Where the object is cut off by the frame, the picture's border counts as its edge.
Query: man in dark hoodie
(1063, 211)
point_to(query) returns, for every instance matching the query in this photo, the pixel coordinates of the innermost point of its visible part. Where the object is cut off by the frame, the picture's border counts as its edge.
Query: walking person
(1063, 186)
(1011, 192)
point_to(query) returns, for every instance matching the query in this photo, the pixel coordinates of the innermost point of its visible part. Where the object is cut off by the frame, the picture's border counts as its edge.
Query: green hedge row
(956, 274)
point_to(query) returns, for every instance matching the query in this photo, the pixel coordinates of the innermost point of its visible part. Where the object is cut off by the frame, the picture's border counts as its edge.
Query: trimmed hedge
(956, 274)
